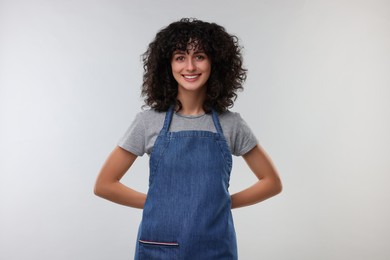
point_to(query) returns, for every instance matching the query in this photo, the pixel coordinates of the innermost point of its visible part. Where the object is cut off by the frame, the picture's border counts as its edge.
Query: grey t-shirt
(143, 131)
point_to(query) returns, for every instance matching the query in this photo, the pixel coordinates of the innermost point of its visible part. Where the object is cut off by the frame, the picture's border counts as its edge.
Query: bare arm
(108, 183)
(268, 183)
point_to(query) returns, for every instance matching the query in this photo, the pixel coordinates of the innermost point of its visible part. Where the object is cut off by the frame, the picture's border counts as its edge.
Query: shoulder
(150, 113)
(230, 118)
(232, 123)
(149, 116)
(238, 133)
(230, 115)
(145, 121)
(139, 137)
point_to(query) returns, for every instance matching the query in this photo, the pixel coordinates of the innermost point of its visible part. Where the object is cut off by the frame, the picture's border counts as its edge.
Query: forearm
(121, 194)
(260, 191)
(268, 184)
(108, 183)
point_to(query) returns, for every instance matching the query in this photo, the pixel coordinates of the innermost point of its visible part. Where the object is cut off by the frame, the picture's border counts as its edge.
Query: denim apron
(187, 213)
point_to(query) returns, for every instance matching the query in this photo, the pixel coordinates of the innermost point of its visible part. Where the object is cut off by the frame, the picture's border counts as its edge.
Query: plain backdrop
(317, 97)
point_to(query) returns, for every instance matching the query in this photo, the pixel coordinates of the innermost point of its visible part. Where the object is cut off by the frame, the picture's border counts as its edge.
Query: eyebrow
(183, 52)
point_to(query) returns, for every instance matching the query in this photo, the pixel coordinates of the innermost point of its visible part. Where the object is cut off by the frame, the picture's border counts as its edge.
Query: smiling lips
(191, 77)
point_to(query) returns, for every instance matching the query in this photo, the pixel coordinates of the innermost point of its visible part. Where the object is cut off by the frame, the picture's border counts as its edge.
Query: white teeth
(191, 77)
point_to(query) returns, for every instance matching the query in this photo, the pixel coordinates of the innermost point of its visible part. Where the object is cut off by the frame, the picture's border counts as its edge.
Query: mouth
(191, 77)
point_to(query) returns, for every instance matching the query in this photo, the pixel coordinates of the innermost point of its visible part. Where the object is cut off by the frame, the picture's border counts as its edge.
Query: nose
(190, 65)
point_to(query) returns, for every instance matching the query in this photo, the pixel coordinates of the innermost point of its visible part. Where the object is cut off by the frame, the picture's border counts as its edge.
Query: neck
(192, 102)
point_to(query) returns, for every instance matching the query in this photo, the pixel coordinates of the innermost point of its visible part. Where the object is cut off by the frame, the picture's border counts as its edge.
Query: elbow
(278, 186)
(103, 189)
(98, 190)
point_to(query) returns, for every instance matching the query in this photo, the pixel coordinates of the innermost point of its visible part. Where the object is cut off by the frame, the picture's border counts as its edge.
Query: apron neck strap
(217, 124)
(168, 118)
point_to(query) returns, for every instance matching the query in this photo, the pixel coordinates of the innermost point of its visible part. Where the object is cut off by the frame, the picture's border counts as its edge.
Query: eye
(200, 57)
(179, 58)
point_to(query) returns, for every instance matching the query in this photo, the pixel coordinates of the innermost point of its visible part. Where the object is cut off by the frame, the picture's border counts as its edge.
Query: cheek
(173, 67)
(208, 67)
(176, 68)
(175, 73)
(208, 70)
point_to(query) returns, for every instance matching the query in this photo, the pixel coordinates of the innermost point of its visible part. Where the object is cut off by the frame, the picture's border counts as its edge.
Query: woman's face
(191, 69)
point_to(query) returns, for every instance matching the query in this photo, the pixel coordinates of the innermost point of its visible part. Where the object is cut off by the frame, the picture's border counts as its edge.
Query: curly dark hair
(159, 87)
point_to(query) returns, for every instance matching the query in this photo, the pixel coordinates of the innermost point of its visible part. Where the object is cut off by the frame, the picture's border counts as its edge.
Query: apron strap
(168, 118)
(217, 124)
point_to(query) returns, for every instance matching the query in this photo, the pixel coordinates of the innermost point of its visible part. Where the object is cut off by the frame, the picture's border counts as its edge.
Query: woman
(193, 70)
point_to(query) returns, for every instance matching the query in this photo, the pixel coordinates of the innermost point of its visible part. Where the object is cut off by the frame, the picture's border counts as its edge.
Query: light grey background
(317, 97)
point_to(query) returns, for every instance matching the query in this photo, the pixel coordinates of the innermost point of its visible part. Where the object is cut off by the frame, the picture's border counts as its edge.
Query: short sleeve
(134, 138)
(244, 139)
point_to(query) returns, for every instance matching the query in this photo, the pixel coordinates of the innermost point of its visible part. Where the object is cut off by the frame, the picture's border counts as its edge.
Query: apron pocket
(157, 250)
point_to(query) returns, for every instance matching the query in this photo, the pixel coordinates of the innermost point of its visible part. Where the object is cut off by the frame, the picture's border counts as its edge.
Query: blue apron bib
(187, 213)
